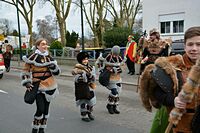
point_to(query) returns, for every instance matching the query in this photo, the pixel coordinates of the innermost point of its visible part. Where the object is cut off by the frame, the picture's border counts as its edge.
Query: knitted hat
(81, 56)
(115, 50)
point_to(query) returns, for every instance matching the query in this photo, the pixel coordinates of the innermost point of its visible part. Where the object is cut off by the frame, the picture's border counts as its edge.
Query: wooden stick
(138, 83)
(169, 127)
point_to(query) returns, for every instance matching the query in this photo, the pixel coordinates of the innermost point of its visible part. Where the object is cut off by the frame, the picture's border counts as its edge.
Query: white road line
(1, 91)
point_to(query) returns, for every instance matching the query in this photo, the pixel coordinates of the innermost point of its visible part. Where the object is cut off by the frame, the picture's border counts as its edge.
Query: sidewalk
(66, 72)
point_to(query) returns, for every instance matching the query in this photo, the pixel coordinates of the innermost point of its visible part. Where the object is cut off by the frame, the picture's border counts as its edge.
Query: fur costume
(147, 84)
(80, 69)
(112, 62)
(84, 82)
(153, 49)
(40, 68)
(187, 93)
(155, 46)
(37, 66)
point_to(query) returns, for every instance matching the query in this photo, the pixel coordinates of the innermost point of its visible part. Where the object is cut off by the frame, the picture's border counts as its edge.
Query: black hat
(81, 56)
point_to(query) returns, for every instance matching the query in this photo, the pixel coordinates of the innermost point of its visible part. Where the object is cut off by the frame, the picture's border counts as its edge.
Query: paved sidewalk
(66, 71)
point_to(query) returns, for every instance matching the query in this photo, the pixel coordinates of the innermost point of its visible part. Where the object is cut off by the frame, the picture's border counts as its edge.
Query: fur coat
(147, 84)
(84, 81)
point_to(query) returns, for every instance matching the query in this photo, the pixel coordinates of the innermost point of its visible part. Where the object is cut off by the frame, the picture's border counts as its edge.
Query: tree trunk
(62, 32)
(30, 33)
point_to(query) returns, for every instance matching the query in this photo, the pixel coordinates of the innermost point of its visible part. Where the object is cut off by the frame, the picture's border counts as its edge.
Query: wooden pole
(169, 127)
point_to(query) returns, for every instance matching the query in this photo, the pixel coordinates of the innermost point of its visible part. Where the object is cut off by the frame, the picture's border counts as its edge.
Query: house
(171, 17)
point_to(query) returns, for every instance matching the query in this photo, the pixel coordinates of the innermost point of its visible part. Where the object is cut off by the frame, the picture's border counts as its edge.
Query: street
(16, 116)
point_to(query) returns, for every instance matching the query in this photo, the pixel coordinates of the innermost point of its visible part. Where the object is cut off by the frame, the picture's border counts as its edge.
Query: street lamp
(82, 28)
(18, 23)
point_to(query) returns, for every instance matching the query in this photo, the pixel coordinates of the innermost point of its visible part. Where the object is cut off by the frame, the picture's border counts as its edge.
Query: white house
(171, 17)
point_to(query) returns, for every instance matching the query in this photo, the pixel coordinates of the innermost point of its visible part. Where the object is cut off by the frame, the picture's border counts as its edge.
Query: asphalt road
(16, 116)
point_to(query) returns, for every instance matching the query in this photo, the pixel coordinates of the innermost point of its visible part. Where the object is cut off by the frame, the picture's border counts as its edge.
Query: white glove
(117, 70)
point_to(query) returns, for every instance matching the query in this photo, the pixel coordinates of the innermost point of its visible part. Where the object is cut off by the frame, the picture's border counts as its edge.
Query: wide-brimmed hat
(154, 31)
(81, 56)
(131, 36)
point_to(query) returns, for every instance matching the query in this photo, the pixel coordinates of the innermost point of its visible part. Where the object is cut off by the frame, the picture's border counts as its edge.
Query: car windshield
(177, 46)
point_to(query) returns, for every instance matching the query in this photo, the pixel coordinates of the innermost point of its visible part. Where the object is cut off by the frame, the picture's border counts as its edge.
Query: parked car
(177, 48)
(2, 66)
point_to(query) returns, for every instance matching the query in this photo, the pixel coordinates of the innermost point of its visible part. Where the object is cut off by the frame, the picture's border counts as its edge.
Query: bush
(17, 51)
(116, 36)
(57, 46)
(71, 39)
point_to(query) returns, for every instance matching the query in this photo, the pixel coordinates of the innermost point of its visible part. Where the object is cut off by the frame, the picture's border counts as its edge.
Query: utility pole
(18, 23)
(82, 28)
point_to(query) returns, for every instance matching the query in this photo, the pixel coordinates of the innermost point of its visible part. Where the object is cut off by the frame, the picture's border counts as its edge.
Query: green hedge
(17, 51)
(57, 46)
(116, 36)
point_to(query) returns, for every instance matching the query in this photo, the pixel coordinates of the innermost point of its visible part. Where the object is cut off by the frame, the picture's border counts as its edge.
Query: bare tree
(100, 4)
(5, 25)
(124, 11)
(95, 14)
(89, 10)
(62, 8)
(46, 27)
(26, 10)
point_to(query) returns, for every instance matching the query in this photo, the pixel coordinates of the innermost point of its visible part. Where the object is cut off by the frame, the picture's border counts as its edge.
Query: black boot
(36, 124)
(91, 117)
(34, 130)
(84, 117)
(90, 109)
(116, 111)
(110, 108)
(41, 130)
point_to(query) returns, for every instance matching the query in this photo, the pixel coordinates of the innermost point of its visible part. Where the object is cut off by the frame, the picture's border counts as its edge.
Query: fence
(65, 53)
(68, 52)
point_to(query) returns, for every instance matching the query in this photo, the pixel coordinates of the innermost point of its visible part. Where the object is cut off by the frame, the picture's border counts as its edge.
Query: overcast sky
(73, 20)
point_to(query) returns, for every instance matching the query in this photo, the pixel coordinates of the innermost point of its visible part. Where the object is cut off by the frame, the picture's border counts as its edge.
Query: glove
(114, 69)
(52, 66)
(29, 86)
(178, 103)
(117, 70)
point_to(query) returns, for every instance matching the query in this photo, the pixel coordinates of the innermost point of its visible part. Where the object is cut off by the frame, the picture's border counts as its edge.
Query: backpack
(163, 68)
(104, 77)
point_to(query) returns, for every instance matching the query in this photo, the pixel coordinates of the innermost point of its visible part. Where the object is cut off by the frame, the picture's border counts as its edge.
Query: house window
(165, 27)
(178, 26)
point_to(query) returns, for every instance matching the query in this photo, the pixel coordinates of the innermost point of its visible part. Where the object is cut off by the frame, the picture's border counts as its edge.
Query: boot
(115, 110)
(43, 125)
(34, 130)
(41, 130)
(90, 109)
(84, 117)
(110, 108)
(91, 117)
(35, 125)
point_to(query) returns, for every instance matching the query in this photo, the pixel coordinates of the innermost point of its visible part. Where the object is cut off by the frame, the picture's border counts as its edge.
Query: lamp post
(18, 23)
(82, 28)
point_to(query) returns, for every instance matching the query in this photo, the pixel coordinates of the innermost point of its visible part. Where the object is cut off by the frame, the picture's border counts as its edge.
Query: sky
(73, 20)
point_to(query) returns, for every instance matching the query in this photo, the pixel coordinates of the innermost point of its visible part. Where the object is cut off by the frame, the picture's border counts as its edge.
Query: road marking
(1, 91)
